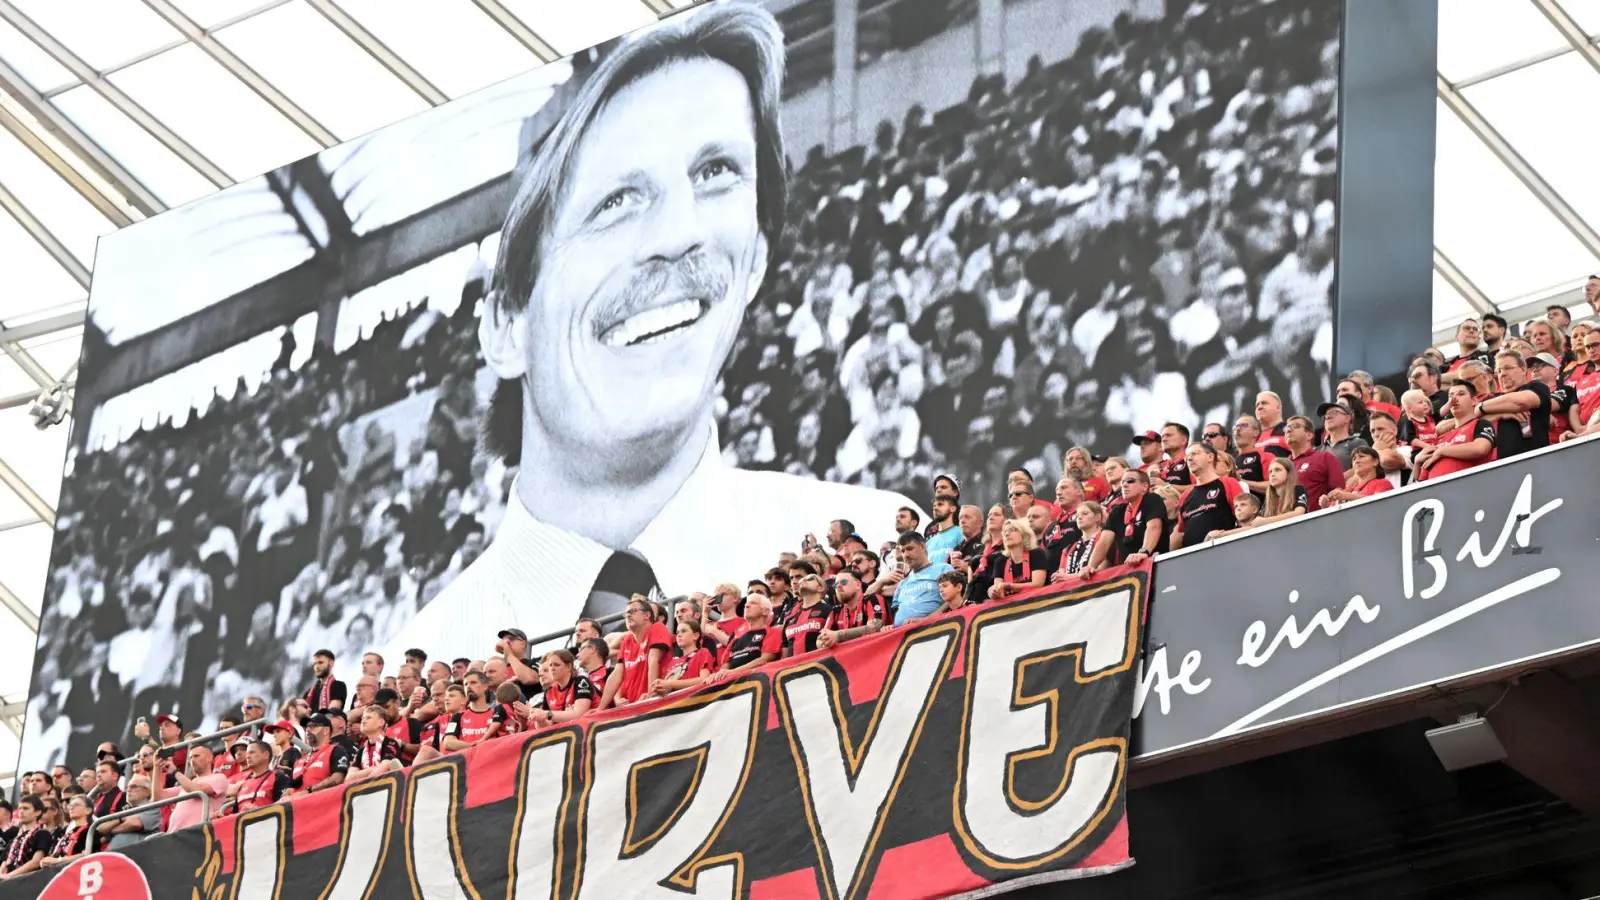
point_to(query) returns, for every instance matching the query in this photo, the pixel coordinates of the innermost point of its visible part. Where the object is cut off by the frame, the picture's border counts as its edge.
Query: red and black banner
(952, 756)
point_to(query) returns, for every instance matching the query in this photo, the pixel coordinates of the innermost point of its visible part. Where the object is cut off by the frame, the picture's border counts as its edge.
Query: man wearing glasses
(1250, 465)
(640, 657)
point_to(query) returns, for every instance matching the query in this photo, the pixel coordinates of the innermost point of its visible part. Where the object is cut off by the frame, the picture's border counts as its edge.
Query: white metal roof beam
(375, 48)
(15, 334)
(1511, 159)
(47, 239)
(61, 129)
(213, 48)
(661, 7)
(1457, 279)
(518, 29)
(19, 609)
(113, 95)
(30, 497)
(113, 208)
(1571, 30)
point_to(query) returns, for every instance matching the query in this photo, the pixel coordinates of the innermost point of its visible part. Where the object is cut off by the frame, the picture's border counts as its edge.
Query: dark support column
(1384, 307)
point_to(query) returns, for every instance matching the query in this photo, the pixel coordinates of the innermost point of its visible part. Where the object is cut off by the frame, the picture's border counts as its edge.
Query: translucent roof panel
(33, 280)
(31, 63)
(1478, 36)
(211, 13)
(215, 112)
(157, 168)
(453, 43)
(417, 163)
(1559, 147)
(102, 33)
(231, 240)
(36, 456)
(368, 97)
(1586, 13)
(1501, 237)
(1449, 307)
(60, 208)
(570, 27)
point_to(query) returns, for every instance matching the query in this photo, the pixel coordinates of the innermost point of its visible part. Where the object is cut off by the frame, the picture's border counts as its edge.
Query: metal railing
(97, 840)
(195, 742)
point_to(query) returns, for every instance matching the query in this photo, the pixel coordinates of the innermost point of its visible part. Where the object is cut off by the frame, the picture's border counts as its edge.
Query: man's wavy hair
(745, 37)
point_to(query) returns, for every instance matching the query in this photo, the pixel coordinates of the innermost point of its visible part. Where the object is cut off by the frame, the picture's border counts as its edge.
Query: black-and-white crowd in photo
(745, 385)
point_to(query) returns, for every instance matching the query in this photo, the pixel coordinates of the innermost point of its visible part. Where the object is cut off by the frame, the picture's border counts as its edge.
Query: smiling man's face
(653, 255)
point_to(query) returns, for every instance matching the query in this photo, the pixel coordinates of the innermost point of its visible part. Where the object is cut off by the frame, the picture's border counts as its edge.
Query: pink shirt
(187, 813)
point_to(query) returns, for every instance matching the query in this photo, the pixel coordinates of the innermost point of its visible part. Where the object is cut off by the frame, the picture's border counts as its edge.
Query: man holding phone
(915, 580)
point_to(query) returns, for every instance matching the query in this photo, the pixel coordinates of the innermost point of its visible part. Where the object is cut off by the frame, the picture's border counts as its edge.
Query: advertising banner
(1459, 576)
(973, 752)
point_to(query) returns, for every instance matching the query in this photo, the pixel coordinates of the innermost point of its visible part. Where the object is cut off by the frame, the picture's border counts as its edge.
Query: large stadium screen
(596, 331)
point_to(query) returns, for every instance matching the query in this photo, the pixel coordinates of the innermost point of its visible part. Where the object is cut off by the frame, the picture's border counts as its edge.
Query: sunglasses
(1016, 494)
(1213, 435)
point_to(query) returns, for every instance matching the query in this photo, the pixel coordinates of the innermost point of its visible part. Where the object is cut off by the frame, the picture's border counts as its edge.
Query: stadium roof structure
(112, 111)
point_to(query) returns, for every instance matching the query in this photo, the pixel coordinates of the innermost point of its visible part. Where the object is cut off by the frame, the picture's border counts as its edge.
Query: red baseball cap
(280, 725)
(169, 717)
(1148, 436)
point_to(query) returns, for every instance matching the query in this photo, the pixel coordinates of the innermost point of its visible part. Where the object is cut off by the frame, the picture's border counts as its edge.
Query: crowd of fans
(1504, 394)
(1137, 237)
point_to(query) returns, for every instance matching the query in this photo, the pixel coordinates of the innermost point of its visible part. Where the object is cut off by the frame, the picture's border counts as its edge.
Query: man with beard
(855, 615)
(1469, 338)
(328, 762)
(642, 228)
(801, 631)
(472, 722)
(943, 534)
(326, 692)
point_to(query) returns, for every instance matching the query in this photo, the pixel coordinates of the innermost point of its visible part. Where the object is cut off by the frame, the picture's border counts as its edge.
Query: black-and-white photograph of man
(640, 233)
(645, 319)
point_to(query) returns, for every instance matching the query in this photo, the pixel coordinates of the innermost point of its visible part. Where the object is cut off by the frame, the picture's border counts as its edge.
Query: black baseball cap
(318, 720)
(513, 633)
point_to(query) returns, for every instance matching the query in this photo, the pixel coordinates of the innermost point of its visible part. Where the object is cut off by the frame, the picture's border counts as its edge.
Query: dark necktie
(626, 573)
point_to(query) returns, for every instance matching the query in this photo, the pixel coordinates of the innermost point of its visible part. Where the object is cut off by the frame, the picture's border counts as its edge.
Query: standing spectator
(1286, 497)
(326, 692)
(32, 843)
(328, 762)
(1339, 424)
(1088, 554)
(263, 783)
(1469, 442)
(693, 665)
(914, 579)
(1174, 442)
(202, 779)
(1208, 506)
(1269, 415)
(570, 693)
(810, 617)
(74, 839)
(1469, 338)
(1023, 566)
(471, 720)
(760, 642)
(1316, 470)
(110, 797)
(642, 654)
(1521, 411)
(132, 829)
(1139, 524)
(1424, 377)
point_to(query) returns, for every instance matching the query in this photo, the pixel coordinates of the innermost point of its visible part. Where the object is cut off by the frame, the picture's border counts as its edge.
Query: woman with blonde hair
(1286, 497)
(1022, 565)
(1088, 554)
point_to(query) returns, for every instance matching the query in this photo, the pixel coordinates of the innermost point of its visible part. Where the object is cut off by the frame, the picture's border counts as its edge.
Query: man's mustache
(691, 276)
